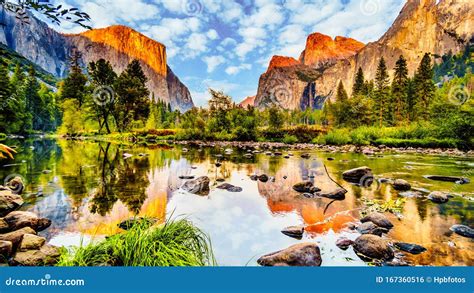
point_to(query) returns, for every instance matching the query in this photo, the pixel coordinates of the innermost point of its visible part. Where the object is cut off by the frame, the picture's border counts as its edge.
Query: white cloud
(233, 70)
(212, 62)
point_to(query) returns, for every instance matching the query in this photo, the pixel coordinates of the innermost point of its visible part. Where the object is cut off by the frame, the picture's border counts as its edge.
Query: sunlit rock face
(322, 49)
(423, 26)
(282, 61)
(249, 101)
(117, 44)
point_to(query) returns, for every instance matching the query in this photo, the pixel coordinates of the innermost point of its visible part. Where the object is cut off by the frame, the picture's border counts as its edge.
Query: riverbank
(132, 138)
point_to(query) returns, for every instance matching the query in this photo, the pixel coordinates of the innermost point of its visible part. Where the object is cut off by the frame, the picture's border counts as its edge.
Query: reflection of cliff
(319, 214)
(434, 234)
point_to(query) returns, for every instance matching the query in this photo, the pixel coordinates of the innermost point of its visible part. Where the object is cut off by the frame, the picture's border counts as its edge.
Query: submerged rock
(263, 178)
(459, 180)
(198, 186)
(20, 219)
(47, 255)
(303, 186)
(306, 156)
(9, 201)
(254, 177)
(230, 187)
(294, 231)
(411, 248)
(344, 243)
(438, 197)
(186, 177)
(373, 247)
(371, 228)
(304, 254)
(338, 194)
(357, 174)
(378, 219)
(463, 230)
(401, 185)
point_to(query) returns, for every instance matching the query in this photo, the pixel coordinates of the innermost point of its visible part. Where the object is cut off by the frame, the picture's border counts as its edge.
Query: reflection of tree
(132, 183)
(126, 180)
(103, 197)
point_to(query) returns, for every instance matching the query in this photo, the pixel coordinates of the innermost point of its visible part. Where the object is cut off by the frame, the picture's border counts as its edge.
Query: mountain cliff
(118, 44)
(423, 26)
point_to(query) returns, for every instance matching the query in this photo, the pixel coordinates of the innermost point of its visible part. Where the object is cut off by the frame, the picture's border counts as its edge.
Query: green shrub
(3, 136)
(290, 139)
(338, 137)
(176, 243)
(417, 142)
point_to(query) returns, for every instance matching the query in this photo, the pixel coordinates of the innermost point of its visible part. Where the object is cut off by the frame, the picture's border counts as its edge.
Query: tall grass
(414, 135)
(175, 243)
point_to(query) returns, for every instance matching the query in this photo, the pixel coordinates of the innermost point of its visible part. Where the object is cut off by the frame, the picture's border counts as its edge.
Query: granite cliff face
(117, 44)
(321, 49)
(423, 26)
(288, 82)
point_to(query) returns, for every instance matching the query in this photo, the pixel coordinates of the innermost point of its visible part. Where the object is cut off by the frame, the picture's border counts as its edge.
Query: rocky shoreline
(366, 150)
(20, 244)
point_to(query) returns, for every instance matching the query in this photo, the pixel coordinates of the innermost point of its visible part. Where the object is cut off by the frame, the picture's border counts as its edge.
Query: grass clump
(175, 243)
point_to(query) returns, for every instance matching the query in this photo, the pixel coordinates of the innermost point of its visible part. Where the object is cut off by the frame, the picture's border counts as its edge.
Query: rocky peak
(131, 43)
(249, 101)
(282, 61)
(321, 48)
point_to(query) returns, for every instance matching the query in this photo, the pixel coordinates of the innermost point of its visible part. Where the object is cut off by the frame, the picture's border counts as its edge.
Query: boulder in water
(356, 175)
(294, 231)
(378, 219)
(303, 186)
(463, 230)
(198, 186)
(370, 246)
(410, 248)
(438, 197)
(230, 187)
(338, 194)
(304, 254)
(401, 185)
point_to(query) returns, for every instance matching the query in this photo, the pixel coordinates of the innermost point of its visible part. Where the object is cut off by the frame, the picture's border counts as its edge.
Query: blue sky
(227, 44)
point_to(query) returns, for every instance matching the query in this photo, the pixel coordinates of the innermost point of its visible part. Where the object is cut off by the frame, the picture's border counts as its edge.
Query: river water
(86, 188)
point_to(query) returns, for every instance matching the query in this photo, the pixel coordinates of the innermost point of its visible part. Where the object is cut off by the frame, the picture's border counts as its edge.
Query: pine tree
(6, 113)
(424, 87)
(34, 103)
(359, 83)
(103, 78)
(382, 93)
(132, 96)
(400, 89)
(341, 95)
(74, 86)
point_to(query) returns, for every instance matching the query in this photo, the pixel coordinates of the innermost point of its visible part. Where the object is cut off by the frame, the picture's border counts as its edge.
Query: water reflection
(87, 188)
